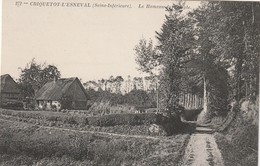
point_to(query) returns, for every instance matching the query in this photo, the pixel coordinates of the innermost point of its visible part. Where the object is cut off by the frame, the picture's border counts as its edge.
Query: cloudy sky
(90, 43)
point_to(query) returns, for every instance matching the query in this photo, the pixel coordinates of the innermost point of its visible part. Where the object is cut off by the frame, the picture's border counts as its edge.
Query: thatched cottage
(9, 88)
(65, 93)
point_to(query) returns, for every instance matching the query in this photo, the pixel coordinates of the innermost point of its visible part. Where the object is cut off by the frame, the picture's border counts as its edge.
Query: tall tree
(118, 81)
(206, 61)
(239, 39)
(175, 44)
(212, 47)
(35, 75)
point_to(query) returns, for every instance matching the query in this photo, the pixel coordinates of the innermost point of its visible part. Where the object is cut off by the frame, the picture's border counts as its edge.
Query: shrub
(171, 123)
(191, 115)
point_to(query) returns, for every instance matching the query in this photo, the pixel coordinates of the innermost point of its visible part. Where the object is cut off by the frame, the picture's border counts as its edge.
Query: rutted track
(202, 150)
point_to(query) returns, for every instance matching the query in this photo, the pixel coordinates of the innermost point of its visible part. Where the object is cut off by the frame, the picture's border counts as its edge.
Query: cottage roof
(8, 85)
(54, 90)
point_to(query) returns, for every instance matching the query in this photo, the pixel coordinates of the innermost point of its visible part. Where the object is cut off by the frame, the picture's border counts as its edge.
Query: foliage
(201, 52)
(144, 51)
(112, 85)
(139, 98)
(175, 41)
(135, 98)
(35, 75)
(239, 42)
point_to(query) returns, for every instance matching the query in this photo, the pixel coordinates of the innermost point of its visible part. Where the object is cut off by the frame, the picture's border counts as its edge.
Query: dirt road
(202, 150)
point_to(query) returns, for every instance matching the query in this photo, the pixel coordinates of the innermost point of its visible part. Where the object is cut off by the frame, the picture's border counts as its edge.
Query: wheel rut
(202, 150)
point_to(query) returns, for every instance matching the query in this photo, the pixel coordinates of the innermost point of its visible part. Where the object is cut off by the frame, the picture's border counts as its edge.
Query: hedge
(64, 118)
(170, 124)
(124, 119)
(105, 120)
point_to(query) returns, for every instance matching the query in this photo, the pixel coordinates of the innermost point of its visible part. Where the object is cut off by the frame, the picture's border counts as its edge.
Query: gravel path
(202, 150)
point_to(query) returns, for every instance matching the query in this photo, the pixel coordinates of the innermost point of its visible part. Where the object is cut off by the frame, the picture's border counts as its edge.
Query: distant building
(9, 88)
(66, 93)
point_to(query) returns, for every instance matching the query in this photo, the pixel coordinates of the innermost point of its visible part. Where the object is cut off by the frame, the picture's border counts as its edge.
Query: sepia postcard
(129, 83)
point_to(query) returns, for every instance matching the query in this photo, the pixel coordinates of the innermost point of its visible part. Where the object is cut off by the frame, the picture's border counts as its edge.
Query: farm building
(9, 88)
(65, 93)
(10, 94)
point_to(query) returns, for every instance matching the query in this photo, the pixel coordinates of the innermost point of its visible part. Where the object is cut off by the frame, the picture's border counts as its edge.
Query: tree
(214, 49)
(239, 40)
(206, 61)
(175, 44)
(147, 57)
(35, 75)
(139, 98)
(118, 81)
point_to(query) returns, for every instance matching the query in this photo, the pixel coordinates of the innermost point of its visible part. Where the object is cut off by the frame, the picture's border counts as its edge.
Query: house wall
(10, 89)
(48, 104)
(57, 104)
(78, 96)
(10, 86)
(7, 95)
(76, 92)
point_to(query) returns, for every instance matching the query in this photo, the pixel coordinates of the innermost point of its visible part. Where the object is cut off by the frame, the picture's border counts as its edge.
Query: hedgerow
(105, 120)
(169, 124)
(47, 116)
(124, 119)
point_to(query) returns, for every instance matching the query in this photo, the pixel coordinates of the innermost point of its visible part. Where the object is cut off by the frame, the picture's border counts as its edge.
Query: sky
(84, 42)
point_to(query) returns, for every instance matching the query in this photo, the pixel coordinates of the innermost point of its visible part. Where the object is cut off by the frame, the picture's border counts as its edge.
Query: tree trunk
(202, 118)
(238, 78)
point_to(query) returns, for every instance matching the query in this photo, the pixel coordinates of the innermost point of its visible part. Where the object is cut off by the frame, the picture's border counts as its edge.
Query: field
(28, 144)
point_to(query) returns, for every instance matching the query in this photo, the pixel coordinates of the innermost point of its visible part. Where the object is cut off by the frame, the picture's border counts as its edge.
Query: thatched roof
(54, 90)
(8, 85)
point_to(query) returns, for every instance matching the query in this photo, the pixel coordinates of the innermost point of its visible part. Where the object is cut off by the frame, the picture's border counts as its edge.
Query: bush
(191, 115)
(171, 124)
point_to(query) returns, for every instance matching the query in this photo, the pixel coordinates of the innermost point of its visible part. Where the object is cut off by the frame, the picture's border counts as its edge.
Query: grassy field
(28, 144)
